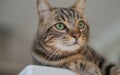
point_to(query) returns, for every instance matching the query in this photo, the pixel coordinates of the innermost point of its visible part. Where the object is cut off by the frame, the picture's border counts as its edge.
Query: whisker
(50, 55)
(56, 52)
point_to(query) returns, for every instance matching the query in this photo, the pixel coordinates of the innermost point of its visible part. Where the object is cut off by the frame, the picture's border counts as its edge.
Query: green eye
(60, 26)
(81, 25)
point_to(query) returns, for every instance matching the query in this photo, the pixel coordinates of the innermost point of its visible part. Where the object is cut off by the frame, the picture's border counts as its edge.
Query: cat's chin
(72, 47)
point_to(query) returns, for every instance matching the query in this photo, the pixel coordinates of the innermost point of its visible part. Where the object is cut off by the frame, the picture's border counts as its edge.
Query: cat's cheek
(81, 42)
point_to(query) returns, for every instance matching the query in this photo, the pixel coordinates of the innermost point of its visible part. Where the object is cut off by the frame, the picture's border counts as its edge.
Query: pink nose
(76, 36)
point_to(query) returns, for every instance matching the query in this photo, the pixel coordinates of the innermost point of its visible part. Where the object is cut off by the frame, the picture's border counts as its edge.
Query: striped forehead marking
(68, 14)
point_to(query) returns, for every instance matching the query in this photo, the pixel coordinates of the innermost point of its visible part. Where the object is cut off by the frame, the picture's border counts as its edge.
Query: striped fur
(67, 48)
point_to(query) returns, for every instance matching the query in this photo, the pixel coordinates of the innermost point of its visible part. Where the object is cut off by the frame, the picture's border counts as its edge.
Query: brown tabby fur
(67, 48)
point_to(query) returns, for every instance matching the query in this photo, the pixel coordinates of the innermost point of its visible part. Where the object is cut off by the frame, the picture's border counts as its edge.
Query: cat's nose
(76, 35)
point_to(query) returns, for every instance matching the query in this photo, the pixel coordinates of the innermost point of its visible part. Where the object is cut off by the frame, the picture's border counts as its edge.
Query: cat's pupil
(60, 26)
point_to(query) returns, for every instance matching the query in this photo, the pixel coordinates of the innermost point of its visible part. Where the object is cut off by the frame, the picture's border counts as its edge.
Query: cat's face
(63, 29)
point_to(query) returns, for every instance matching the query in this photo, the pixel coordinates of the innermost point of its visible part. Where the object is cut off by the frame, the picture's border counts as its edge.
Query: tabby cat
(62, 41)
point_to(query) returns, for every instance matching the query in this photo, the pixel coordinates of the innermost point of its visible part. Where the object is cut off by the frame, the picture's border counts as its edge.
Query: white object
(40, 70)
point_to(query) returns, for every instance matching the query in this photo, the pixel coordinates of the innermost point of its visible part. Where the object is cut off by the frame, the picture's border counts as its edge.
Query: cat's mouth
(75, 43)
(68, 45)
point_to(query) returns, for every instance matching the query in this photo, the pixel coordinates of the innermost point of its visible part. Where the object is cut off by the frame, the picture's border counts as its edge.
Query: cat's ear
(80, 6)
(44, 9)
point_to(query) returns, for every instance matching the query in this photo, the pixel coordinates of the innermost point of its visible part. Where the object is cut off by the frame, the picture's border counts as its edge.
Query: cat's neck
(44, 55)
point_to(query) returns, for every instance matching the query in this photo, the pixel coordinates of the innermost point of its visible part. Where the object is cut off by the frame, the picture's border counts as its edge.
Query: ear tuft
(80, 5)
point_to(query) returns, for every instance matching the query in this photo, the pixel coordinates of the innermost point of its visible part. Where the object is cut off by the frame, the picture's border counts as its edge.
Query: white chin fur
(67, 48)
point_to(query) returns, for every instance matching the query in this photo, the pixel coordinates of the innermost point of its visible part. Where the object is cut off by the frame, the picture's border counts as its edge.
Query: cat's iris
(60, 26)
(81, 25)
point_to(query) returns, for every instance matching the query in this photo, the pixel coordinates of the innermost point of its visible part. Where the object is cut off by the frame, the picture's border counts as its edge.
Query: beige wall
(21, 16)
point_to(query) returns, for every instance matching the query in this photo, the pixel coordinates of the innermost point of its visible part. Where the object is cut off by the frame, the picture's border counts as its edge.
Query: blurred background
(19, 21)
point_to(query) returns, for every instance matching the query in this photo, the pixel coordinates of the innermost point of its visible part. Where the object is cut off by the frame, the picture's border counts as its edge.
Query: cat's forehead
(66, 14)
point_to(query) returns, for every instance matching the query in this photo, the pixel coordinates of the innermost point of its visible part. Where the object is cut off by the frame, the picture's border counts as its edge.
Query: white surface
(40, 70)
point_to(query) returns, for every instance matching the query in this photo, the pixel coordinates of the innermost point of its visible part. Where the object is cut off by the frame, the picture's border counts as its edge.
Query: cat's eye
(81, 25)
(60, 26)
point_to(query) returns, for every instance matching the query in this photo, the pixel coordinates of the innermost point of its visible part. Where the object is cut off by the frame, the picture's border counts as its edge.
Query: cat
(62, 41)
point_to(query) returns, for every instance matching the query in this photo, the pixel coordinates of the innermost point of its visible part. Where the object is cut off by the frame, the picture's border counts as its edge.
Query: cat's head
(65, 29)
